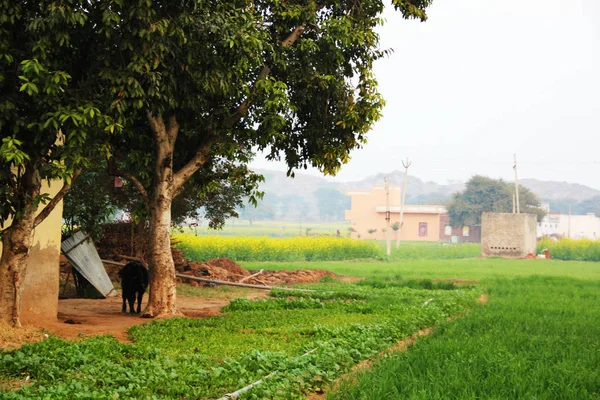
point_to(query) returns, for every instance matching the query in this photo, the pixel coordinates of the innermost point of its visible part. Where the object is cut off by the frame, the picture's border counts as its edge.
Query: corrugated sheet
(81, 253)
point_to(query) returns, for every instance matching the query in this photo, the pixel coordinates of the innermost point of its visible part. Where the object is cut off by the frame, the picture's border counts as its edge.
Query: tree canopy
(483, 194)
(197, 86)
(50, 121)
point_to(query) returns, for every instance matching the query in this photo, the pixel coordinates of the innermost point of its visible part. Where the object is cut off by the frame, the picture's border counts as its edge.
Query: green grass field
(475, 268)
(309, 337)
(537, 337)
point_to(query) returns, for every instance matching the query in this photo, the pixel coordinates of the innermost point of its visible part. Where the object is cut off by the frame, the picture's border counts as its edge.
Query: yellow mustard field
(201, 248)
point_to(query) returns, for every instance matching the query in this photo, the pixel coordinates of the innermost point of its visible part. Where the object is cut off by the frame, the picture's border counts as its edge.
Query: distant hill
(303, 188)
(560, 190)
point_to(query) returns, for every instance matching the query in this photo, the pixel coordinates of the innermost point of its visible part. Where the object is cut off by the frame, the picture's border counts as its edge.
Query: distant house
(462, 234)
(573, 226)
(428, 223)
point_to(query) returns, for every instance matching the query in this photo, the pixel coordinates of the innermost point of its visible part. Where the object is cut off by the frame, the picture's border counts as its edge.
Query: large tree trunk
(16, 243)
(167, 185)
(140, 239)
(163, 289)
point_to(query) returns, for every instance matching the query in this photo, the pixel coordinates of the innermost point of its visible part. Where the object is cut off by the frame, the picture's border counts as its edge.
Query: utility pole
(569, 231)
(516, 185)
(387, 217)
(514, 203)
(405, 165)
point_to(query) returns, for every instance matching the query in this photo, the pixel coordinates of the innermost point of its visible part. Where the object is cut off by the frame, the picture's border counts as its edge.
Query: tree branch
(200, 158)
(243, 107)
(114, 171)
(55, 200)
(189, 169)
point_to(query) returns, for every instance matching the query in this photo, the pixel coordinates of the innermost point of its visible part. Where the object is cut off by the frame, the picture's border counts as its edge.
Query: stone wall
(508, 235)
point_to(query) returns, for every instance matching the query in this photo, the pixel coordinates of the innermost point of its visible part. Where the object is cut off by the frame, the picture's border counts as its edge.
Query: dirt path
(89, 317)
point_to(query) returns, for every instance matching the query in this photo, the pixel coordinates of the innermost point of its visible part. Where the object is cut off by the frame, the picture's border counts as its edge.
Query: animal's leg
(131, 301)
(124, 303)
(139, 300)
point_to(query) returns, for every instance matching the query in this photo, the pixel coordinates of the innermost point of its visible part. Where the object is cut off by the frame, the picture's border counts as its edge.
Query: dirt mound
(224, 269)
(275, 278)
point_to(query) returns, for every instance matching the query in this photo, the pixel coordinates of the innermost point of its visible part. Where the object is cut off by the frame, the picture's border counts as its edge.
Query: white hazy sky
(482, 80)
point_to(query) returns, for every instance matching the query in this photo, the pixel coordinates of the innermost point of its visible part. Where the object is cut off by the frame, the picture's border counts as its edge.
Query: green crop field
(537, 337)
(279, 229)
(313, 248)
(308, 337)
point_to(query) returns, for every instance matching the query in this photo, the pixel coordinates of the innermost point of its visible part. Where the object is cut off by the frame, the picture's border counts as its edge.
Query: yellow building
(40, 286)
(368, 212)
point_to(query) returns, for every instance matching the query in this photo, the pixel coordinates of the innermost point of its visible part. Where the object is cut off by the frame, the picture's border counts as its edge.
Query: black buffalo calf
(134, 281)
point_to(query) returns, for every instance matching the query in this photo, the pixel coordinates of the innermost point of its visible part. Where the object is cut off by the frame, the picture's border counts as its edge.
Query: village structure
(508, 235)
(560, 225)
(431, 223)
(427, 223)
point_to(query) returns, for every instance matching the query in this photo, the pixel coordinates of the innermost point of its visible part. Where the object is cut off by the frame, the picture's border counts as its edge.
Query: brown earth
(79, 318)
(224, 269)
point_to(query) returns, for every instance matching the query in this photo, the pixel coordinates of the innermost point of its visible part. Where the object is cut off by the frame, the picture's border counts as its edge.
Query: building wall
(465, 234)
(40, 286)
(508, 235)
(421, 223)
(578, 226)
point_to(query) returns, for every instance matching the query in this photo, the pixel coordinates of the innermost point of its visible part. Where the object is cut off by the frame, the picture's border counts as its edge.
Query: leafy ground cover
(538, 338)
(570, 249)
(310, 337)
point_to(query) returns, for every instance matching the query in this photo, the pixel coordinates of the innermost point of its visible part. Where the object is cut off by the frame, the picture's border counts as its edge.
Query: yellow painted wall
(40, 286)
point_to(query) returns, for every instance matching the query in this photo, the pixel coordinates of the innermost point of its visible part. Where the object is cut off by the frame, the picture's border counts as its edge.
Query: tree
(220, 78)
(48, 123)
(93, 200)
(484, 194)
(371, 232)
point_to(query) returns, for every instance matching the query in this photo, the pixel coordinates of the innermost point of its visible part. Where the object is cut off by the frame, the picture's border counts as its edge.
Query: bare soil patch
(78, 318)
(224, 269)
(12, 338)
